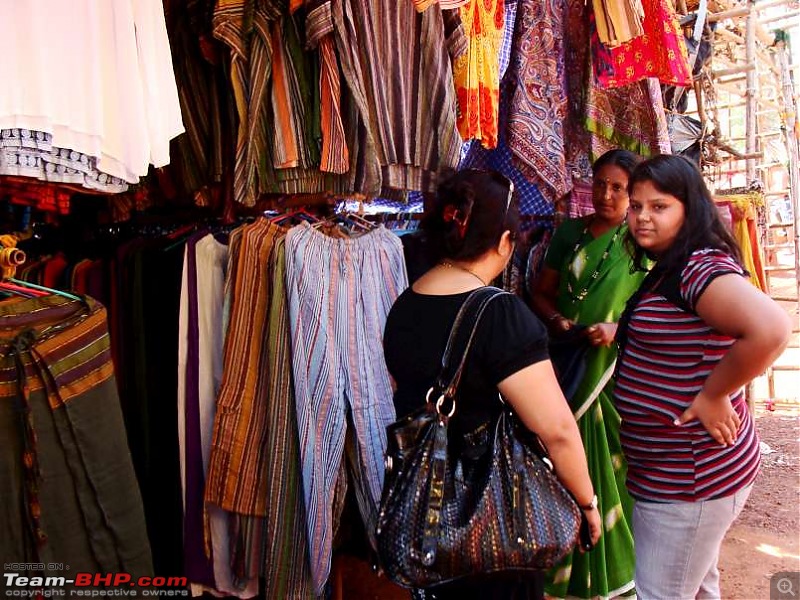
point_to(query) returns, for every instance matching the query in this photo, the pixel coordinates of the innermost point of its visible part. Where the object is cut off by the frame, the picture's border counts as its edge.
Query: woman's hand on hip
(716, 415)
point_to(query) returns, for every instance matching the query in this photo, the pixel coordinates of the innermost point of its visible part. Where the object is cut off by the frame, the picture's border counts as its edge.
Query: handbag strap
(470, 313)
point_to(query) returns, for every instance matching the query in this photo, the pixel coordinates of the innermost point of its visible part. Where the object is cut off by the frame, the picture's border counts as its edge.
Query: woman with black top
(473, 227)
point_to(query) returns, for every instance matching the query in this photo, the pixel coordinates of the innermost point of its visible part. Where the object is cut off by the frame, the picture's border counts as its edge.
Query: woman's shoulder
(509, 313)
(702, 267)
(711, 259)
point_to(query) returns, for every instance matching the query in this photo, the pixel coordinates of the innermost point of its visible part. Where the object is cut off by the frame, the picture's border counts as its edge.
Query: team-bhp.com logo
(96, 584)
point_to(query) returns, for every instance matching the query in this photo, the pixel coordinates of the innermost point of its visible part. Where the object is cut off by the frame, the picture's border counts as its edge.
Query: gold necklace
(580, 295)
(449, 265)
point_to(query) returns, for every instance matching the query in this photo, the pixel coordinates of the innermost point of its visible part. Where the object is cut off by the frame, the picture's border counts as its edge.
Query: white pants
(677, 546)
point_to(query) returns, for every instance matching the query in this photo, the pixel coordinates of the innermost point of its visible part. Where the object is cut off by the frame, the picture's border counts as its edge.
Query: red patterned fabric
(660, 52)
(538, 108)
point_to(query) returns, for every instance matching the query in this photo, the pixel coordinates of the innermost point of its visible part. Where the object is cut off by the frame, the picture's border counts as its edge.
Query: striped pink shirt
(669, 354)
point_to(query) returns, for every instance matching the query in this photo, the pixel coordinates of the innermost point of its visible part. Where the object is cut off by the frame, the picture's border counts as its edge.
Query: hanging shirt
(396, 65)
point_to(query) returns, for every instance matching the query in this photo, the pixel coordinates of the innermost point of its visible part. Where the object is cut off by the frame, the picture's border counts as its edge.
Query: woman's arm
(734, 307)
(535, 396)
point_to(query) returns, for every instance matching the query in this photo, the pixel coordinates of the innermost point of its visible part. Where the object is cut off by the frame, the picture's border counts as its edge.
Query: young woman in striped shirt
(691, 337)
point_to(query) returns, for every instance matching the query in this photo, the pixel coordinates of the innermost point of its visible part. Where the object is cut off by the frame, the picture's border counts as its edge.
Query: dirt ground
(766, 537)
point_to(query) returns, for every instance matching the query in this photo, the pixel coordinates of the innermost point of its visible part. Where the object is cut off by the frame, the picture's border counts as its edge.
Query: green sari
(594, 289)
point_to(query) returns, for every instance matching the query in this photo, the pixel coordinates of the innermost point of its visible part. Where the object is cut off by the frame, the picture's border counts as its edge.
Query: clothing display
(66, 476)
(475, 73)
(618, 22)
(659, 52)
(117, 103)
(214, 403)
(340, 289)
(32, 154)
(538, 100)
(741, 211)
(254, 457)
(369, 42)
(595, 282)
(200, 339)
(630, 117)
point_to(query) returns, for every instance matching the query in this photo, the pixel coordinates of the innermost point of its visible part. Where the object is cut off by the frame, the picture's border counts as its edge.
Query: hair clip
(451, 214)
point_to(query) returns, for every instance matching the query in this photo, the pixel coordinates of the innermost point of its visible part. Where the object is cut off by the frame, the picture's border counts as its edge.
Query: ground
(766, 537)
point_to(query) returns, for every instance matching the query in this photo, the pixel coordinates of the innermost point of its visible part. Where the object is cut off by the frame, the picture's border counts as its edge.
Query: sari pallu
(70, 497)
(608, 570)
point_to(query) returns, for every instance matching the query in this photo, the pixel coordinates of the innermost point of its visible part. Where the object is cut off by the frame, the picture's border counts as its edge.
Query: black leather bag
(493, 505)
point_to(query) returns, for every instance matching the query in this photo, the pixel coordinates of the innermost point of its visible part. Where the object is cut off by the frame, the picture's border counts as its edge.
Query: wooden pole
(750, 95)
(750, 126)
(729, 14)
(788, 15)
(734, 70)
(790, 127)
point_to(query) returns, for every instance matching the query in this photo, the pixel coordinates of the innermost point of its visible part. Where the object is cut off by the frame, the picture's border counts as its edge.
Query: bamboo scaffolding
(733, 70)
(782, 17)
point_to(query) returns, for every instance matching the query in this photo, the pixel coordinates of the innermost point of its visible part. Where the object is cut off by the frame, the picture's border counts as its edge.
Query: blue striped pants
(339, 293)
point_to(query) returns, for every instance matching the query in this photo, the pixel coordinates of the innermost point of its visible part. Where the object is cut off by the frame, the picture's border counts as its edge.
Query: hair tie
(450, 214)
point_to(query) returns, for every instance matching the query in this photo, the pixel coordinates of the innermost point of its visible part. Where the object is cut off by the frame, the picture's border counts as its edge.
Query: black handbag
(493, 505)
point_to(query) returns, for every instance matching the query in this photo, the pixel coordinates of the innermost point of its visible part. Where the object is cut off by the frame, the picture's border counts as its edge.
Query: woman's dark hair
(473, 209)
(624, 159)
(702, 227)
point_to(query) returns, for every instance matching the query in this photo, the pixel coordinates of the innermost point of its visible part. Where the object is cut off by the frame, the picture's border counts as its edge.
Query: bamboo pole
(729, 14)
(750, 94)
(734, 70)
(790, 121)
(751, 123)
(772, 19)
(773, 3)
(728, 35)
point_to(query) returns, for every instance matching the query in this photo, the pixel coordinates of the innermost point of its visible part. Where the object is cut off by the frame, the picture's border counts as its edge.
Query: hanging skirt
(69, 497)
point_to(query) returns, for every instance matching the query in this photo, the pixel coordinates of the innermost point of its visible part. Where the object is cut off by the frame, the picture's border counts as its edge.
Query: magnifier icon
(785, 586)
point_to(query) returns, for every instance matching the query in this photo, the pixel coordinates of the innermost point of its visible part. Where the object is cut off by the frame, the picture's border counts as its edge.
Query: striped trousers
(339, 293)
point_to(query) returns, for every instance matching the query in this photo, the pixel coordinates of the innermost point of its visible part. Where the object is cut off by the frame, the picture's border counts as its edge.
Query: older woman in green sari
(587, 280)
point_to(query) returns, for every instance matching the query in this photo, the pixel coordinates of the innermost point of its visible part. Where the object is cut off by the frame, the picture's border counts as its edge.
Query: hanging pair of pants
(340, 292)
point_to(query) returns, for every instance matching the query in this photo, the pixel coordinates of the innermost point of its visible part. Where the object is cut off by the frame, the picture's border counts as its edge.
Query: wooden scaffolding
(745, 98)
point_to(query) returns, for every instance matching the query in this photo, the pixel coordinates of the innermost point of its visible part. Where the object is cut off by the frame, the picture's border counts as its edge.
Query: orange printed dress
(660, 52)
(476, 72)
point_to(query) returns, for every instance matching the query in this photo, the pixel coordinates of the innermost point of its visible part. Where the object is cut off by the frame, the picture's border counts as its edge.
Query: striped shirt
(668, 356)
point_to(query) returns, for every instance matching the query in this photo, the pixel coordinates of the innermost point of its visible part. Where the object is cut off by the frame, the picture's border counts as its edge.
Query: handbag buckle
(440, 403)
